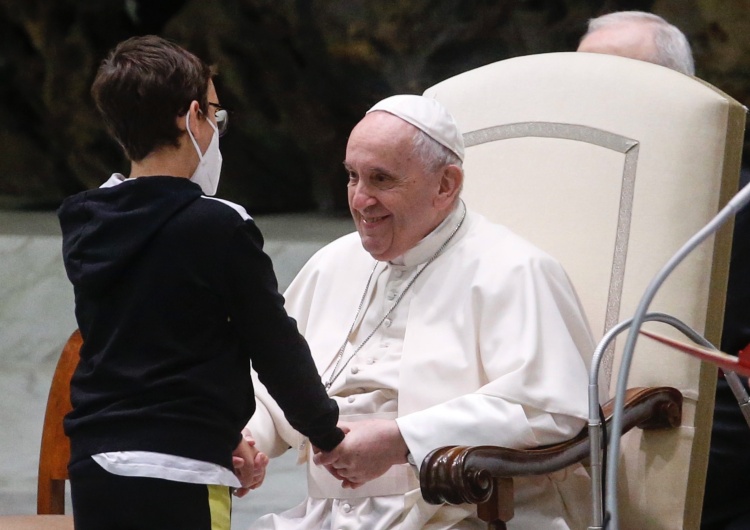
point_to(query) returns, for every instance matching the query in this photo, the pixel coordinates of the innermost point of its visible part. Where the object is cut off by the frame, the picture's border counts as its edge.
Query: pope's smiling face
(393, 198)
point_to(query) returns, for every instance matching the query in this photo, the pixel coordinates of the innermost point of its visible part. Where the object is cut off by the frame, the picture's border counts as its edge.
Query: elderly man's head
(638, 35)
(404, 165)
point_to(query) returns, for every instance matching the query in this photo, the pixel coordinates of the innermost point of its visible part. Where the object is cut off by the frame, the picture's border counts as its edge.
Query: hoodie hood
(105, 229)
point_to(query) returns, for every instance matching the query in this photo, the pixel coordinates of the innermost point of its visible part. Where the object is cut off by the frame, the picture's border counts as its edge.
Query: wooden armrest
(458, 474)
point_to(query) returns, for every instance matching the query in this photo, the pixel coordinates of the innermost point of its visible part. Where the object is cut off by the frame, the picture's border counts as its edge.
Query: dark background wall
(298, 74)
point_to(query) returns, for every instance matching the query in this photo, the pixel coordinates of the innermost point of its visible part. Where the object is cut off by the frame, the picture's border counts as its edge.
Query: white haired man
(639, 35)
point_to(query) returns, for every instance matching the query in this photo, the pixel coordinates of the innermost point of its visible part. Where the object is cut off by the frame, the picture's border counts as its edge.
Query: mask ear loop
(190, 133)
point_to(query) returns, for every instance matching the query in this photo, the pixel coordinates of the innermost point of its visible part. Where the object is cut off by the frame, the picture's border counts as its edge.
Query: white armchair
(610, 165)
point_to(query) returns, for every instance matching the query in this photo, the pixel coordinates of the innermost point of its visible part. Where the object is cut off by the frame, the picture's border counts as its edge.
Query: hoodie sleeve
(279, 354)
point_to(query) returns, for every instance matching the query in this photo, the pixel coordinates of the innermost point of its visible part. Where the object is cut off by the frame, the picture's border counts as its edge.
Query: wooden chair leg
(498, 509)
(50, 496)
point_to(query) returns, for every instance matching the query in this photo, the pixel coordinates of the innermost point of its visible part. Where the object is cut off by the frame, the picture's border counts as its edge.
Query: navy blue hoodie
(175, 298)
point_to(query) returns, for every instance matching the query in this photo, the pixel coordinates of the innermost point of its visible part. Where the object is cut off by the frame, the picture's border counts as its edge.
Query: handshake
(368, 450)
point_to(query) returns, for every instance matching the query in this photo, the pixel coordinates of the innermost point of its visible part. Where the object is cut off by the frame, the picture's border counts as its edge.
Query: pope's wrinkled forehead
(428, 115)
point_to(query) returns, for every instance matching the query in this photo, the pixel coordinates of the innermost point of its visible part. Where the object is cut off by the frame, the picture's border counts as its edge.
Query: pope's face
(392, 197)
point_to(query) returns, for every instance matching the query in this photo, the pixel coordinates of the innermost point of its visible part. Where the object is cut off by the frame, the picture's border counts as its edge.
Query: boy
(174, 298)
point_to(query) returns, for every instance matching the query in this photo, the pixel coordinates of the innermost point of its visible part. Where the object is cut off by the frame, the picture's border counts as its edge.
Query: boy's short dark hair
(143, 86)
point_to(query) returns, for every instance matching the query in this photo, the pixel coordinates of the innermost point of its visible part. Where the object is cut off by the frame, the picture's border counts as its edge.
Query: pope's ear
(451, 180)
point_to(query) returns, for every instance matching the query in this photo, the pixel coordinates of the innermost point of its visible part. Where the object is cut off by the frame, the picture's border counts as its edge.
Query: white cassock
(488, 347)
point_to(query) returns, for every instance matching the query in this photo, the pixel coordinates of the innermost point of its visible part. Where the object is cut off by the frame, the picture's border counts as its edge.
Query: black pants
(104, 501)
(726, 502)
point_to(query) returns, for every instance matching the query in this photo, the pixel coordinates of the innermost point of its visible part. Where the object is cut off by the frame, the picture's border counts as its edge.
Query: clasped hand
(249, 465)
(369, 449)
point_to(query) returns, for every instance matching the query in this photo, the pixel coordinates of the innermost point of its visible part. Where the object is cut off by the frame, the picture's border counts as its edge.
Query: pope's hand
(369, 449)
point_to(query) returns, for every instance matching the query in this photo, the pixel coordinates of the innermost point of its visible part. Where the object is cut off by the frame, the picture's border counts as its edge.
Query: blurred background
(298, 75)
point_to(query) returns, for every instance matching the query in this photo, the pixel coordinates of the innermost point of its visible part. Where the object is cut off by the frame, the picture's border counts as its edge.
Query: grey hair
(672, 47)
(433, 154)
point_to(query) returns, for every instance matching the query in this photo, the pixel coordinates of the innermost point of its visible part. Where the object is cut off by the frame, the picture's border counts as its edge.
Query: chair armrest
(459, 474)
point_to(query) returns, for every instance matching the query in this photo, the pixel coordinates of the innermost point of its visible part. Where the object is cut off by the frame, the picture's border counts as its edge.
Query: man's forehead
(634, 40)
(380, 143)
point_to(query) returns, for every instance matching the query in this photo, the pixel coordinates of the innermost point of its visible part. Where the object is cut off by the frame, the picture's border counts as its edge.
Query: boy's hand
(249, 465)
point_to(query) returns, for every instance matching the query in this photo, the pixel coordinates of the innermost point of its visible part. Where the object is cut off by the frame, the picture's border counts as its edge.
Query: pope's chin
(369, 245)
(375, 247)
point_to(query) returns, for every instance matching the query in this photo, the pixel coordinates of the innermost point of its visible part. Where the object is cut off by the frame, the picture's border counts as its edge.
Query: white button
(370, 361)
(350, 399)
(355, 369)
(387, 322)
(391, 295)
(398, 273)
(385, 344)
(347, 508)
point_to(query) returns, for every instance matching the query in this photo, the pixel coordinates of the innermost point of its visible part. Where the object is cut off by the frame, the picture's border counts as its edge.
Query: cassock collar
(430, 244)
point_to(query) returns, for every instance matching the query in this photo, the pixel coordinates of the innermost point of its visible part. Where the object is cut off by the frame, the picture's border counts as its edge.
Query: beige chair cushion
(610, 165)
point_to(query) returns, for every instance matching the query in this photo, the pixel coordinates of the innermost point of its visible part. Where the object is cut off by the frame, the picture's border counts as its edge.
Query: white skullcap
(427, 115)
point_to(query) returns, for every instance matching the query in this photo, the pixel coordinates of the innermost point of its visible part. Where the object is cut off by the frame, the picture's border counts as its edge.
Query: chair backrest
(610, 165)
(55, 448)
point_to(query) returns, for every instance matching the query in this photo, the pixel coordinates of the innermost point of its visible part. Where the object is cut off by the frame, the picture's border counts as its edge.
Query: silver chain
(336, 372)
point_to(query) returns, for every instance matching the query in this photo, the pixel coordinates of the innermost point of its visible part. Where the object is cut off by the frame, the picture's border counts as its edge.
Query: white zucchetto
(427, 115)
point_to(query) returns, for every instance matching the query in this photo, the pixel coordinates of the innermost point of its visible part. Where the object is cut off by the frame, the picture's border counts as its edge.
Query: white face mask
(207, 173)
